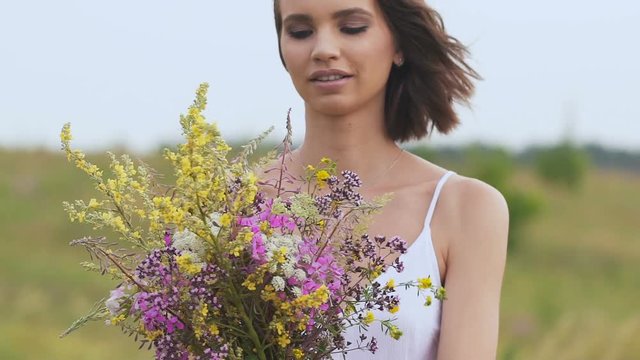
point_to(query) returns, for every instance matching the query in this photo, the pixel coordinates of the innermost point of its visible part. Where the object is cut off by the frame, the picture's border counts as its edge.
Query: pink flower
(309, 286)
(258, 249)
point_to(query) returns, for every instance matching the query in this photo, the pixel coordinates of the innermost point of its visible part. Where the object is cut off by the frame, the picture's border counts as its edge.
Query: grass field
(571, 289)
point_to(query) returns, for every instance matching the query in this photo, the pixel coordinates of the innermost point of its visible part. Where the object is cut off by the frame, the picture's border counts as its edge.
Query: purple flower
(398, 265)
(372, 345)
(167, 238)
(168, 347)
(351, 179)
(398, 244)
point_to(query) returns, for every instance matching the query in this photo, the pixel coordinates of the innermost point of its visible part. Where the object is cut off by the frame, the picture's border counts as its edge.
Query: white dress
(420, 324)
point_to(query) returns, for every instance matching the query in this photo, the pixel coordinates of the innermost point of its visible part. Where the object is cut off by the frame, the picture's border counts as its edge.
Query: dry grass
(571, 290)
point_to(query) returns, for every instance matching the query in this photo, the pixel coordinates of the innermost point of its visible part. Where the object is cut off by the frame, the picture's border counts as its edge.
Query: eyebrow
(337, 15)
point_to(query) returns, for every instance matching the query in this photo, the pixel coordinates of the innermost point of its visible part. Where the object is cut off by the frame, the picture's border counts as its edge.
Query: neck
(356, 141)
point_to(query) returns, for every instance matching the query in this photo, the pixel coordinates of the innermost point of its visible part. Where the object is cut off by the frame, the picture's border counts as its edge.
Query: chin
(332, 106)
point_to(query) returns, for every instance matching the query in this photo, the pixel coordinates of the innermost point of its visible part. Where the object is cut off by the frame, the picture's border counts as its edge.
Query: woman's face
(338, 52)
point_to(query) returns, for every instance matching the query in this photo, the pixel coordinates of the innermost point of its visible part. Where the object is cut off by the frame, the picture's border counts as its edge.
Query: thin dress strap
(436, 195)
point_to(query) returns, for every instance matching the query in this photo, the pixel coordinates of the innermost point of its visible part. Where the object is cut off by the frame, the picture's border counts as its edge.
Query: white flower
(189, 243)
(113, 303)
(278, 283)
(274, 243)
(300, 274)
(297, 292)
(288, 269)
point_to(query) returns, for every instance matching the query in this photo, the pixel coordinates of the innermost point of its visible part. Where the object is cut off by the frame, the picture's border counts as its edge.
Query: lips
(330, 78)
(329, 75)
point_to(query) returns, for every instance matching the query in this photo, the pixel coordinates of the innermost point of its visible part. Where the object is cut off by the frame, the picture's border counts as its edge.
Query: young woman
(374, 73)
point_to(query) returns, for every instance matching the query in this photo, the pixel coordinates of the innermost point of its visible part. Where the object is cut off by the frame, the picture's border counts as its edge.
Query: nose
(326, 47)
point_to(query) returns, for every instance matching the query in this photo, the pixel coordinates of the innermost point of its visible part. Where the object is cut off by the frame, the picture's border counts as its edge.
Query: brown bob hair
(420, 94)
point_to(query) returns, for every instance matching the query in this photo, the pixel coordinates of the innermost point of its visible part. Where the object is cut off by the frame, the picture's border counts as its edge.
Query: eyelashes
(300, 34)
(303, 34)
(354, 30)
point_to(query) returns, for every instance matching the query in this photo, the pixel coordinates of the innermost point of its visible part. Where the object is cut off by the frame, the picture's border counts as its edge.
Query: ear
(398, 59)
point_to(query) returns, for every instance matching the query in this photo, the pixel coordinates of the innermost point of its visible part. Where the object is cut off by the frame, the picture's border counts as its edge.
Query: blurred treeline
(571, 288)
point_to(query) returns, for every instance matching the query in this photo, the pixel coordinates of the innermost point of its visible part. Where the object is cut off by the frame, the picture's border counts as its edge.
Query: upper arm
(475, 266)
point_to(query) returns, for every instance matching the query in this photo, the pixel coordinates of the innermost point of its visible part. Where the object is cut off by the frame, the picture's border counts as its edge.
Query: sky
(123, 71)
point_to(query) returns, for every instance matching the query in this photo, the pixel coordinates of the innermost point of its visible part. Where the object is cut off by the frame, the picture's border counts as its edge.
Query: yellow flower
(428, 301)
(281, 255)
(349, 309)
(250, 285)
(285, 306)
(314, 299)
(118, 319)
(368, 318)
(283, 340)
(424, 283)
(395, 332)
(225, 220)
(325, 160)
(214, 329)
(391, 284)
(322, 175)
(268, 293)
(185, 165)
(222, 147)
(237, 251)
(118, 224)
(298, 354)
(394, 309)
(186, 265)
(283, 336)
(65, 135)
(375, 272)
(136, 186)
(93, 203)
(264, 227)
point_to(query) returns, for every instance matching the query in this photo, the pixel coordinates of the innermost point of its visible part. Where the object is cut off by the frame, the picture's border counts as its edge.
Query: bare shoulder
(475, 200)
(465, 203)
(473, 215)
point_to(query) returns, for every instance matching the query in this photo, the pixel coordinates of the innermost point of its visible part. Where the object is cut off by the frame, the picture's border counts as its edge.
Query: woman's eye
(300, 34)
(354, 30)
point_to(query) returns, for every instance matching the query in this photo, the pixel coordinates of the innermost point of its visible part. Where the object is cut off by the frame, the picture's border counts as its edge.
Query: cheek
(376, 53)
(384, 52)
(293, 55)
(294, 59)
(375, 66)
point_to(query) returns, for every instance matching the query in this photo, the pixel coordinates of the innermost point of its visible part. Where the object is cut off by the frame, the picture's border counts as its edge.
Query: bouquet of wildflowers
(211, 267)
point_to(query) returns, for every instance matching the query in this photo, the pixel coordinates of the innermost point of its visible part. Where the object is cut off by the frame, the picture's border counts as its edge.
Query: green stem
(251, 331)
